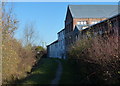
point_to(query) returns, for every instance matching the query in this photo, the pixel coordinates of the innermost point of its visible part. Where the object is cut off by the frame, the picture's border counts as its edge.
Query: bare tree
(29, 36)
(9, 22)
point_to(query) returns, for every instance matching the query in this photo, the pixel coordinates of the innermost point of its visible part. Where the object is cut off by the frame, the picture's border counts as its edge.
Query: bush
(79, 50)
(10, 60)
(40, 52)
(102, 51)
(17, 60)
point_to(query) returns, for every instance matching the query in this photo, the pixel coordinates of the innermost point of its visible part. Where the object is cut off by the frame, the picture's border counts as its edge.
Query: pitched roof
(79, 27)
(93, 11)
(61, 31)
(52, 43)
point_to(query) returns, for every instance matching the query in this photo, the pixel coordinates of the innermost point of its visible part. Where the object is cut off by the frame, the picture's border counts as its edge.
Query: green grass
(77, 73)
(43, 74)
(70, 74)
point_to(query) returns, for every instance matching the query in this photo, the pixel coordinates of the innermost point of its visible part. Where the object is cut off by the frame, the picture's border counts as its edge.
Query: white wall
(61, 43)
(57, 49)
(53, 50)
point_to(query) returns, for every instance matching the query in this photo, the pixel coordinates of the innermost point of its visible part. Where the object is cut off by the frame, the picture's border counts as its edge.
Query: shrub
(10, 61)
(79, 49)
(17, 60)
(104, 51)
(40, 52)
(101, 50)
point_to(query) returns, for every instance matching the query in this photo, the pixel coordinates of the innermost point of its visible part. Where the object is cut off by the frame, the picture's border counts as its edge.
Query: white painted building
(57, 48)
(52, 50)
(61, 44)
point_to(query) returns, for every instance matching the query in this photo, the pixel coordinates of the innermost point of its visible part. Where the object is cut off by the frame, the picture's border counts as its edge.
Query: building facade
(78, 20)
(80, 17)
(61, 43)
(57, 48)
(52, 50)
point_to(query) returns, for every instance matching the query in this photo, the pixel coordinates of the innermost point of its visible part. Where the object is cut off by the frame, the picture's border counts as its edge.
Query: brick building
(79, 17)
(78, 20)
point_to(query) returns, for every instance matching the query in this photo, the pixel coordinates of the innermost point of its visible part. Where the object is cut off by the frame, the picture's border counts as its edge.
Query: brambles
(102, 51)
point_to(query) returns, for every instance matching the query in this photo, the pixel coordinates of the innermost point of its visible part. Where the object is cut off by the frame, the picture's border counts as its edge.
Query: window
(82, 22)
(84, 27)
(94, 22)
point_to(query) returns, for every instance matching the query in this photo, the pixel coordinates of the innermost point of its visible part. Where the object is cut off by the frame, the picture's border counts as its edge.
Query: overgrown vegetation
(70, 74)
(17, 60)
(42, 73)
(98, 59)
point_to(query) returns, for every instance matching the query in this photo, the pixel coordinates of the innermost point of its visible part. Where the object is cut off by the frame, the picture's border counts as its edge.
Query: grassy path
(43, 74)
(61, 72)
(52, 71)
(58, 74)
(70, 73)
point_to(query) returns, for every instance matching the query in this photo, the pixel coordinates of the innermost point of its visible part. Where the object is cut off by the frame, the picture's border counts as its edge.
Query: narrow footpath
(57, 78)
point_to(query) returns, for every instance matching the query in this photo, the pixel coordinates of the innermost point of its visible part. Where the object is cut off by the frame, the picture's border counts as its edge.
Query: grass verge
(43, 73)
(70, 74)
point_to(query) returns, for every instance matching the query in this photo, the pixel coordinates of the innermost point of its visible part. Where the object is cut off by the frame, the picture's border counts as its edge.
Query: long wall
(109, 26)
(61, 43)
(52, 50)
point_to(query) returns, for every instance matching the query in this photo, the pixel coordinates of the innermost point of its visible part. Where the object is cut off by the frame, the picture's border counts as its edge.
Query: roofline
(86, 5)
(70, 11)
(68, 8)
(106, 19)
(102, 21)
(61, 31)
(52, 43)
